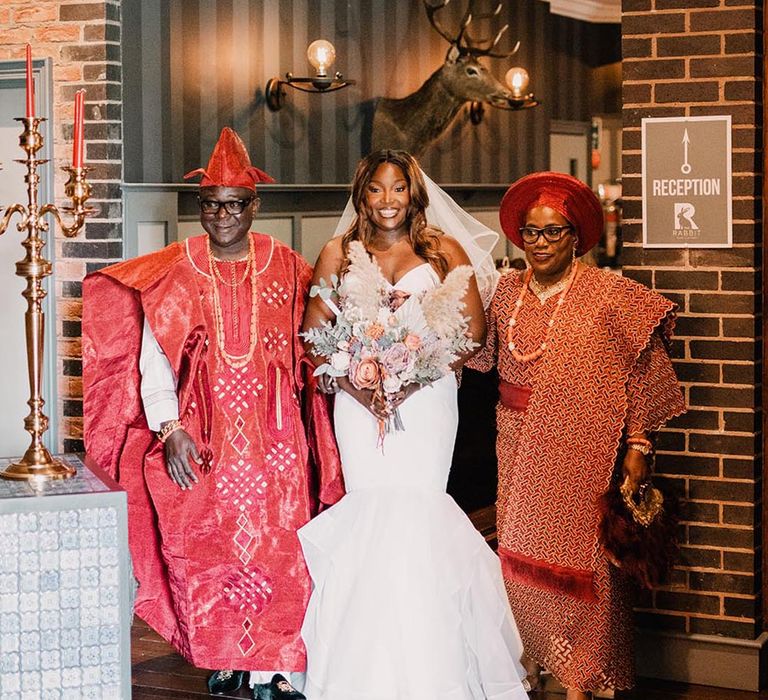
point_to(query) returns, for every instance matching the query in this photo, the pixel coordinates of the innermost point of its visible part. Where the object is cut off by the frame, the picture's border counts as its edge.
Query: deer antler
(431, 10)
(476, 50)
(474, 46)
(465, 21)
(471, 46)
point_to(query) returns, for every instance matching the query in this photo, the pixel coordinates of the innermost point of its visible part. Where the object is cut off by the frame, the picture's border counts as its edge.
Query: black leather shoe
(220, 682)
(283, 690)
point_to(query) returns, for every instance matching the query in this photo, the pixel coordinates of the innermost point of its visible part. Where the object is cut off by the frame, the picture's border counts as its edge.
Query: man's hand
(180, 448)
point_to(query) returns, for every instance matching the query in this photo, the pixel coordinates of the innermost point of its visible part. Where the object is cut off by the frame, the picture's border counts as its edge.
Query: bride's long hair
(424, 239)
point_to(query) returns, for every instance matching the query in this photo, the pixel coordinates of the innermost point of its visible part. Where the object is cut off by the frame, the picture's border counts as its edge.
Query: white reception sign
(687, 182)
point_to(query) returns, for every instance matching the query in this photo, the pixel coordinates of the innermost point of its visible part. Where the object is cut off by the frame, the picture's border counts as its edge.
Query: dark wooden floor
(158, 672)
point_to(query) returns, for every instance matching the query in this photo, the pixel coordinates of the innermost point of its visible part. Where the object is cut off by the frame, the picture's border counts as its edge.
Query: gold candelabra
(37, 461)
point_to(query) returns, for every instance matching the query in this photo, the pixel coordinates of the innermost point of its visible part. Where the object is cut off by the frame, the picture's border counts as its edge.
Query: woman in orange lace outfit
(584, 377)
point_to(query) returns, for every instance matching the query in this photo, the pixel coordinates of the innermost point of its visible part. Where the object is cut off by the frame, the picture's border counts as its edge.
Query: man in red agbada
(199, 401)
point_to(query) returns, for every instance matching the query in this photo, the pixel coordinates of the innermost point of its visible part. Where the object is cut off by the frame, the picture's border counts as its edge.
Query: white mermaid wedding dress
(408, 600)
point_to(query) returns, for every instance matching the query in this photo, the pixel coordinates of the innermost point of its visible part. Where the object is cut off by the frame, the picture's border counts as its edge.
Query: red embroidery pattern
(586, 645)
(248, 465)
(280, 456)
(246, 643)
(274, 294)
(600, 372)
(275, 341)
(249, 588)
(651, 390)
(238, 388)
(241, 483)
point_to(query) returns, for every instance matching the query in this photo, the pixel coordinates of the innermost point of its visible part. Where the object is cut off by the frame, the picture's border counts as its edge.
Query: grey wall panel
(194, 66)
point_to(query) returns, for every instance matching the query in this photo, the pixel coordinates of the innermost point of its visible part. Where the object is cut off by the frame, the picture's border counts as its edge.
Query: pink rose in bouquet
(365, 373)
(396, 359)
(412, 342)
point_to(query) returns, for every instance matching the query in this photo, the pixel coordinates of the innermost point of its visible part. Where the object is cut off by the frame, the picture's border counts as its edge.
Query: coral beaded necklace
(236, 362)
(536, 354)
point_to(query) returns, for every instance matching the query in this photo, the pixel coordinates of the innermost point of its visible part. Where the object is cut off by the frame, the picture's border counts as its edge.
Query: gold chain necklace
(232, 283)
(544, 292)
(235, 361)
(232, 264)
(536, 354)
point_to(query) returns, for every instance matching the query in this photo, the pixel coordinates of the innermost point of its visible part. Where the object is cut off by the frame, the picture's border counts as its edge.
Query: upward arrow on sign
(685, 168)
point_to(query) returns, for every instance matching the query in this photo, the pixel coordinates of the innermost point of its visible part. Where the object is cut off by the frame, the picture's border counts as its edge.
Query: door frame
(573, 128)
(764, 389)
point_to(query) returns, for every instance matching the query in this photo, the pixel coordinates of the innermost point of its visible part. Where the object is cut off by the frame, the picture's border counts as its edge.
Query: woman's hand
(635, 466)
(365, 397)
(385, 406)
(328, 384)
(180, 448)
(408, 390)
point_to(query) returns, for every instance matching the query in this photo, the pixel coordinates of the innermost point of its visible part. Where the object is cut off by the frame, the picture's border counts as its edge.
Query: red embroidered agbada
(605, 371)
(220, 570)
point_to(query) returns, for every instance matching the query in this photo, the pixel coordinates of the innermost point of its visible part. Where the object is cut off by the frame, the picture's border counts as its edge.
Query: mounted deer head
(416, 120)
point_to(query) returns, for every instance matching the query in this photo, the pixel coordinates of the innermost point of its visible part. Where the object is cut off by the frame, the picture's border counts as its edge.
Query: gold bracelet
(170, 427)
(644, 449)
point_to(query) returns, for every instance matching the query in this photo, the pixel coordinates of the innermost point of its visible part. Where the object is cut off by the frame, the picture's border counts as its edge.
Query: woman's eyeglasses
(552, 234)
(234, 206)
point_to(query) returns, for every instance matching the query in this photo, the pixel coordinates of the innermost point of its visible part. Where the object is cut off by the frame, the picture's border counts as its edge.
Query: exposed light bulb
(321, 55)
(517, 79)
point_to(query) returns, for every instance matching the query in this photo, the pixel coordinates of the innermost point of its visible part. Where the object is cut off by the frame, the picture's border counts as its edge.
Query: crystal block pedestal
(65, 588)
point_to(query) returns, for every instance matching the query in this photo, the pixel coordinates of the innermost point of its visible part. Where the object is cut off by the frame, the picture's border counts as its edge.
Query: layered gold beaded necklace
(234, 361)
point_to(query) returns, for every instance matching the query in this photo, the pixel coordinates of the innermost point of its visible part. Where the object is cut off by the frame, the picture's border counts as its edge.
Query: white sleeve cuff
(161, 410)
(158, 382)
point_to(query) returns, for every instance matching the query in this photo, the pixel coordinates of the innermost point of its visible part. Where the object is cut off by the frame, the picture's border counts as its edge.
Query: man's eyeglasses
(552, 234)
(234, 206)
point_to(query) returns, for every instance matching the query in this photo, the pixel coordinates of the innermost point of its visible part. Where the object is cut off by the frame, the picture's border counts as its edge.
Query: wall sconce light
(517, 79)
(321, 54)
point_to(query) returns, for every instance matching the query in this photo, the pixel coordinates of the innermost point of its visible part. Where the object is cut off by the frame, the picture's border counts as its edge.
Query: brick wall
(689, 58)
(83, 40)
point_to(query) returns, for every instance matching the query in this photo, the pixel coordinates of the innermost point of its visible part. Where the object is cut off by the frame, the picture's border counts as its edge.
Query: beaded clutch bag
(639, 531)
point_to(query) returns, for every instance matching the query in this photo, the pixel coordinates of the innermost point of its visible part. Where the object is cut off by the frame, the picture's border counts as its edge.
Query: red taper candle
(75, 130)
(81, 142)
(30, 85)
(77, 142)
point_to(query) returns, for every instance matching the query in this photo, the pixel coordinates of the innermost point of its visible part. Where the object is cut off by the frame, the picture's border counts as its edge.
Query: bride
(408, 599)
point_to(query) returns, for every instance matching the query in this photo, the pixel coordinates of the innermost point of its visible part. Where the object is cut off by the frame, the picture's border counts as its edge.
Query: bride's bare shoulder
(331, 257)
(332, 250)
(453, 249)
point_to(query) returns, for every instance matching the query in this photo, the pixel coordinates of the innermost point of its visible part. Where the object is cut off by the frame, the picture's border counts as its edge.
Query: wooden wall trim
(764, 388)
(702, 659)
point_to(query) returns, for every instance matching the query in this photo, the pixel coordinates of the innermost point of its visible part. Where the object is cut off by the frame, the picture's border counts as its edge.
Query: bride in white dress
(408, 600)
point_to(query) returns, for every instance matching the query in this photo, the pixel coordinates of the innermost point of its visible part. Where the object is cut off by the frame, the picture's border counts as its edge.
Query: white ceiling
(588, 10)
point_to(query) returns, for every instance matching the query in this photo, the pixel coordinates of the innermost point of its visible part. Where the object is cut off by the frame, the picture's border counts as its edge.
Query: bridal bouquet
(383, 338)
